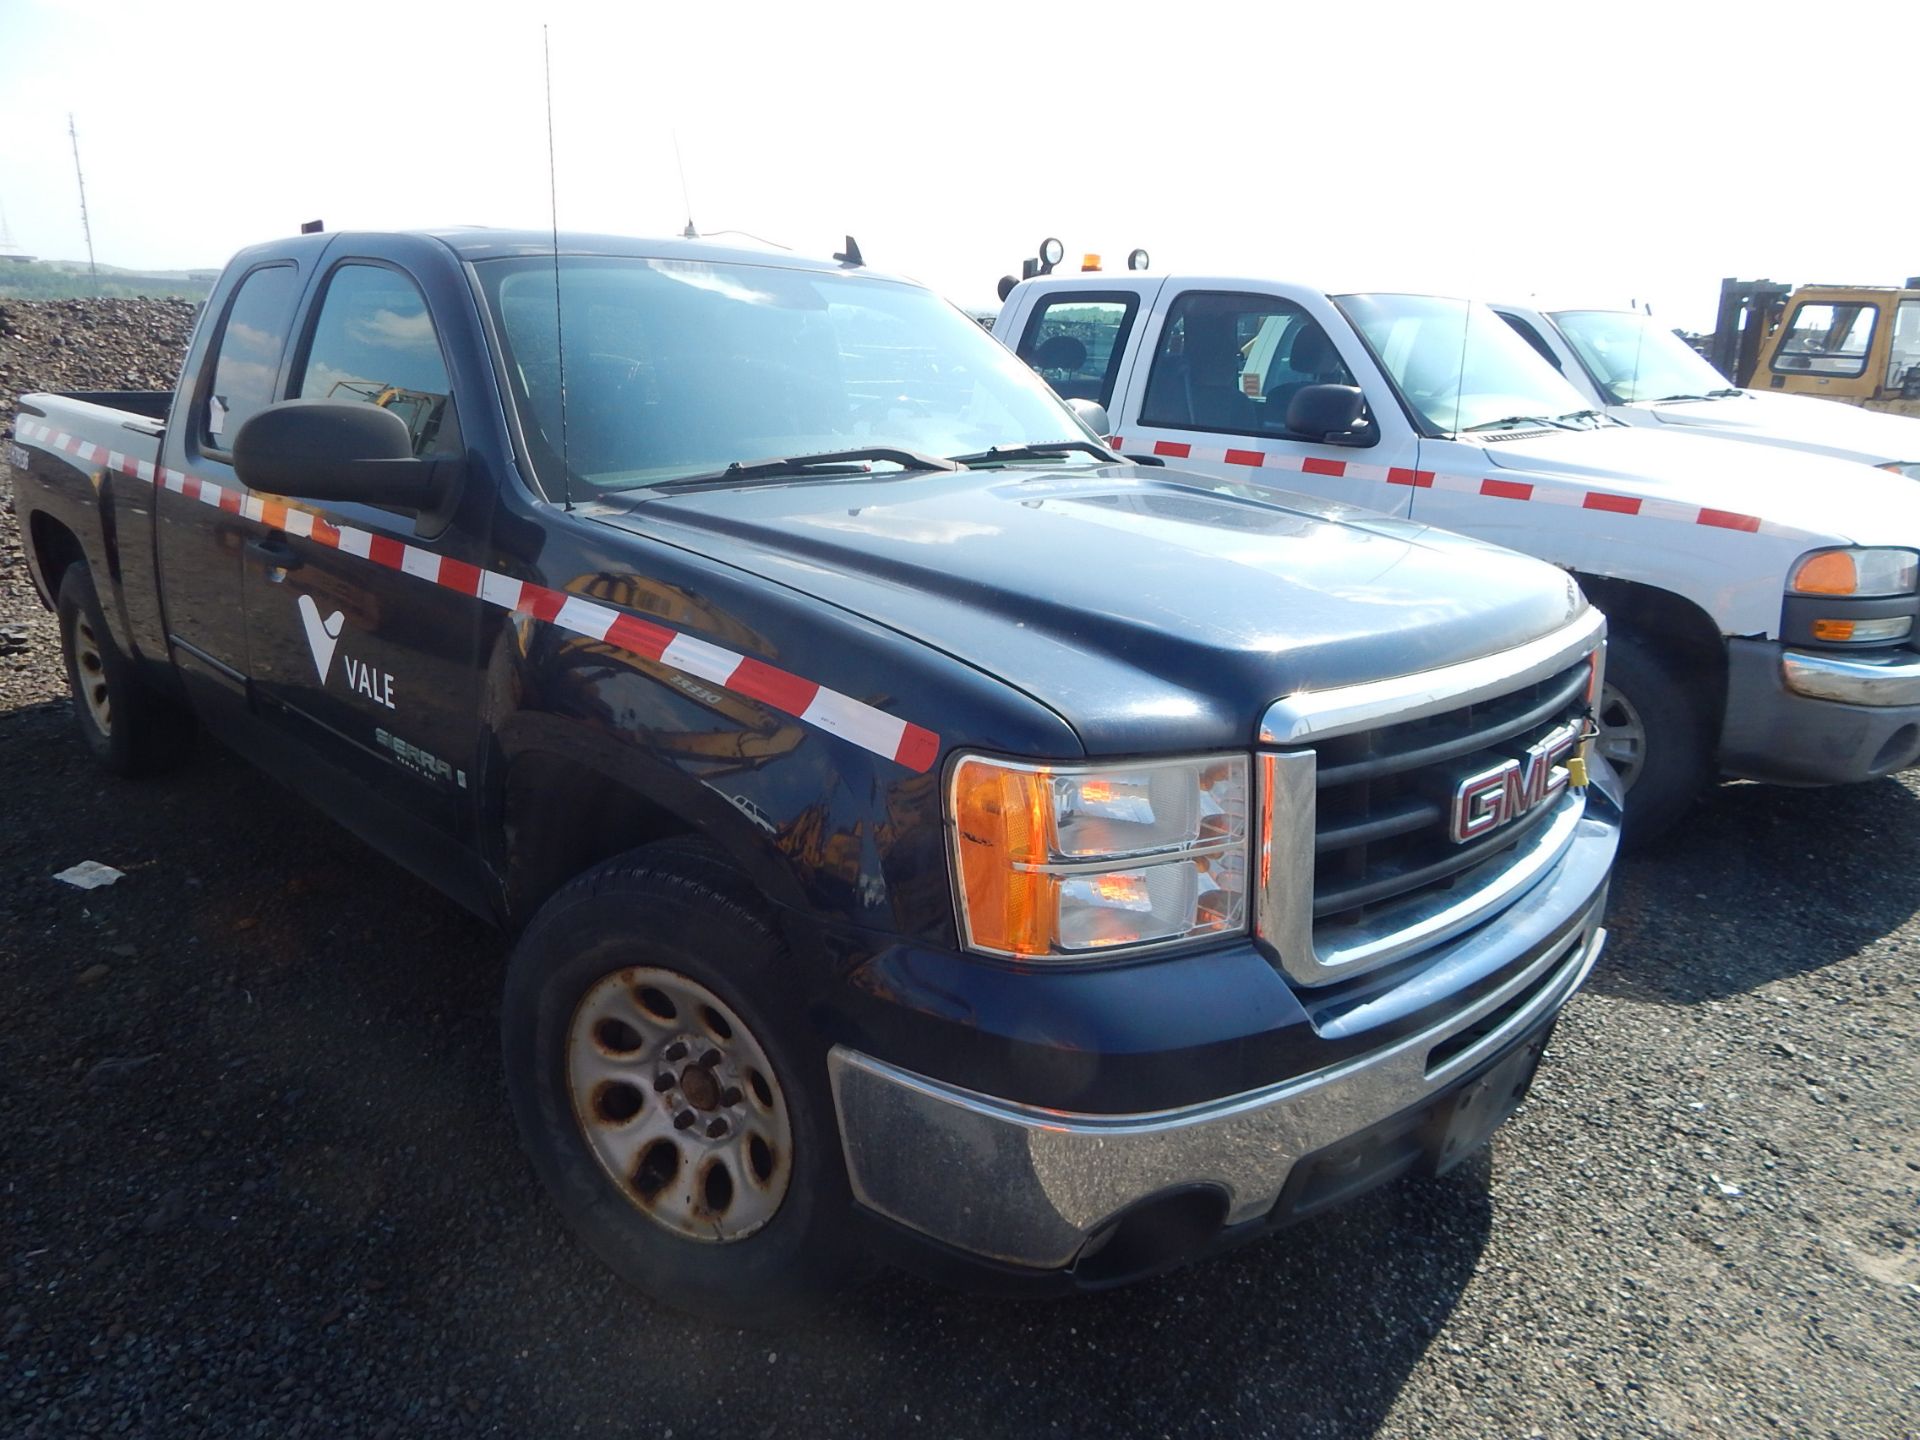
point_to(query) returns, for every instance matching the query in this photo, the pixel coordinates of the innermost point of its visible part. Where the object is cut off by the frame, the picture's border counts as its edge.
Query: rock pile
(89, 345)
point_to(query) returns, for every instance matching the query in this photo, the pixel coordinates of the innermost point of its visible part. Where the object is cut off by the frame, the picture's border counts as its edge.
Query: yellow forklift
(1858, 344)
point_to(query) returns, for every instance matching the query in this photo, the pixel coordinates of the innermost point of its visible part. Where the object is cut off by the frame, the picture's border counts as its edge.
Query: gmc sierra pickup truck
(924, 833)
(1761, 602)
(1641, 373)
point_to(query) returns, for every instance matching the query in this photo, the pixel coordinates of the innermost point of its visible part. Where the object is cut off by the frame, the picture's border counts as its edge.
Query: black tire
(128, 726)
(676, 909)
(1645, 690)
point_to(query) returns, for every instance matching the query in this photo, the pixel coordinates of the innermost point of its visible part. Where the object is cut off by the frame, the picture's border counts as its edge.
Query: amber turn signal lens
(1001, 821)
(1831, 572)
(1833, 629)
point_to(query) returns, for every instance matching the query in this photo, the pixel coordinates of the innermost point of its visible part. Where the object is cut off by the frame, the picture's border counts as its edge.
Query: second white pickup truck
(1762, 601)
(1641, 373)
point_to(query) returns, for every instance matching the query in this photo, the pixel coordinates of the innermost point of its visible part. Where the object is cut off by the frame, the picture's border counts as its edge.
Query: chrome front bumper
(1888, 678)
(1030, 1187)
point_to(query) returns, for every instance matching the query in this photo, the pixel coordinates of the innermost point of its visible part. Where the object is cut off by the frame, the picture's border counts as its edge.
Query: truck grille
(1383, 799)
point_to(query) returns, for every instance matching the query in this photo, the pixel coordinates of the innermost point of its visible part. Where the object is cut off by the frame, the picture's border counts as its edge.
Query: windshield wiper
(1515, 422)
(1597, 416)
(829, 462)
(1033, 452)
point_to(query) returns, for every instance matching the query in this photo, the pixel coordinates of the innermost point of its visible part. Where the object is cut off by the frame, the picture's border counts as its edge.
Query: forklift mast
(1748, 310)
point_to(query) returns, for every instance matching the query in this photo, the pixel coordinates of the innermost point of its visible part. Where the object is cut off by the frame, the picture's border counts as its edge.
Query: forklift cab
(1856, 344)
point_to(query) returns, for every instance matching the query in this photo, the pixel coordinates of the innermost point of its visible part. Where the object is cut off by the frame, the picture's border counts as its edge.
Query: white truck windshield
(1631, 358)
(1458, 365)
(677, 368)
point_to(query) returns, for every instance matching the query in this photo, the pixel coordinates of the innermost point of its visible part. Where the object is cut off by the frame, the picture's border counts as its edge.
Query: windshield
(677, 368)
(1631, 358)
(1458, 365)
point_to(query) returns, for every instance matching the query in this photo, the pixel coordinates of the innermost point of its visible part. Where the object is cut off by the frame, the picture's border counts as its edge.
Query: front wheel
(1655, 730)
(671, 1093)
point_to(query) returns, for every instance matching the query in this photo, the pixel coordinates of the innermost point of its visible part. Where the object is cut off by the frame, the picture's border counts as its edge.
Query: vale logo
(322, 635)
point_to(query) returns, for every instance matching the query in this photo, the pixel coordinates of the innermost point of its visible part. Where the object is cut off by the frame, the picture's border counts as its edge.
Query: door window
(1075, 342)
(1233, 362)
(1903, 365)
(247, 353)
(374, 342)
(1826, 339)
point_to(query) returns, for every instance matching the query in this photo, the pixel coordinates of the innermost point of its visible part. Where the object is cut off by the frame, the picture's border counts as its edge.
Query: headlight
(1053, 861)
(1857, 572)
(1910, 469)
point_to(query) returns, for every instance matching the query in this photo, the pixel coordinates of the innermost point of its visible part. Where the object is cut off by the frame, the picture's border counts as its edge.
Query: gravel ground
(260, 1179)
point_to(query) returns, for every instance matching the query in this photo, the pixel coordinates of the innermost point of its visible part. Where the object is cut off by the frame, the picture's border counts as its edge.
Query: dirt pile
(89, 345)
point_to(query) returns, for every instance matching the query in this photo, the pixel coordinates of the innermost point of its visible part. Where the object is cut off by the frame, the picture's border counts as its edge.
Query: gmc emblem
(1485, 801)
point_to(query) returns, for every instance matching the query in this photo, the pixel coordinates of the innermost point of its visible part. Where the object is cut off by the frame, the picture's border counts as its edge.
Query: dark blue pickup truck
(925, 833)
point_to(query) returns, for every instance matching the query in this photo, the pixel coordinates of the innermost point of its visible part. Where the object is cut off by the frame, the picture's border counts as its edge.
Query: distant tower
(8, 250)
(85, 227)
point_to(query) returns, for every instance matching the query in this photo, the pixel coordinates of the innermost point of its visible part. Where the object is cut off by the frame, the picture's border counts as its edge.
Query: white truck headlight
(1058, 861)
(1908, 468)
(1856, 571)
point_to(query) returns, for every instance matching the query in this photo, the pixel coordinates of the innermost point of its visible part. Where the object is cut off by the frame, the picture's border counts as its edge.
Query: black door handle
(278, 556)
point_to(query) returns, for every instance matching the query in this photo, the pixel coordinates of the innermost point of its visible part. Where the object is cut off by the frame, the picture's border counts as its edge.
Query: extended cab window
(247, 354)
(1826, 339)
(374, 342)
(1232, 362)
(1076, 341)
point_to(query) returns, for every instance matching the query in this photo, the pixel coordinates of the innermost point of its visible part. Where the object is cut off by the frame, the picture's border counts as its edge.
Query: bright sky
(1582, 154)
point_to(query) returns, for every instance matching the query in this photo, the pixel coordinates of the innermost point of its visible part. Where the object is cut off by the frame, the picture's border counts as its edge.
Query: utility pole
(85, 227)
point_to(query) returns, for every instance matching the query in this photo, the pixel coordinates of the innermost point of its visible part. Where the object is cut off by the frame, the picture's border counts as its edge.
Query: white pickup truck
(1762, 601)
(1641, 373)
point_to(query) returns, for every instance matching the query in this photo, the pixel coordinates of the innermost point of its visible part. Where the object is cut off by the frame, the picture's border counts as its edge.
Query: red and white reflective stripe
(1488, 487)
(852, 720)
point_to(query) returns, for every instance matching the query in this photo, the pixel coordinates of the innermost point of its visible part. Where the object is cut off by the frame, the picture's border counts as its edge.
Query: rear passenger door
(200, 533)
(364, 620)
(1220, 367)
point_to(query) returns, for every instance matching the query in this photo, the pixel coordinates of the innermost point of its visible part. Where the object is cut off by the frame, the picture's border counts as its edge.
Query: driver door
(364, 621)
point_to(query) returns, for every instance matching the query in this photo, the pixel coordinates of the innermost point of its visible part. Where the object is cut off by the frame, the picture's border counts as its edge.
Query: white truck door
(1219, 361)
(1079, 336)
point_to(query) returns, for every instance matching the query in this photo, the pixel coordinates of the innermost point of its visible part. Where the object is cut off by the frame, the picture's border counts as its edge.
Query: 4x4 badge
(1488, 799)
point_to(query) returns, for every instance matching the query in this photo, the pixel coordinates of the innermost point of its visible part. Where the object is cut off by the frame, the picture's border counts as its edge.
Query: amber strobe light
(1051, 861)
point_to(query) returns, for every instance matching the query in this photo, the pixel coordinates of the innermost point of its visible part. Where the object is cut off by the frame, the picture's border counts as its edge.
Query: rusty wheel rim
(90, 674)
(680, 1104)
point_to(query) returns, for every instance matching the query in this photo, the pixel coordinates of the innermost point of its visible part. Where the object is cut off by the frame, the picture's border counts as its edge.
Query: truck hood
(1830, 501)
(1827, 427)
(1149, 608)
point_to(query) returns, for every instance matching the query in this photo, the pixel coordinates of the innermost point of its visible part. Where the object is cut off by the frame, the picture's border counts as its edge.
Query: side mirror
(1093, 415)
(335, 450)
(1326, 412)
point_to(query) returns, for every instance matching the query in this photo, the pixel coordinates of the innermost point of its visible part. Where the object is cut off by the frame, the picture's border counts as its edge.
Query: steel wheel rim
(1622, 740)
(90, 674)
(678, 1102)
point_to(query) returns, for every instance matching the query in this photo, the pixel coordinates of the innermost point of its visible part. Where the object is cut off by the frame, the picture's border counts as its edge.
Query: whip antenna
(686, 197)
(559, 334)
